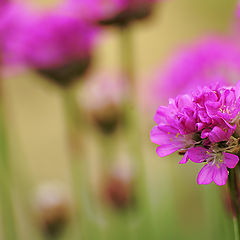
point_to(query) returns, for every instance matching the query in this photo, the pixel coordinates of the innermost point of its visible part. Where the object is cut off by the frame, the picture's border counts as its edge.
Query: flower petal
(184, 159)
(166, 149)
(217, 135)
(198, 154)
(220, 174)
(230, 160)
(205, 176)
(161, 115)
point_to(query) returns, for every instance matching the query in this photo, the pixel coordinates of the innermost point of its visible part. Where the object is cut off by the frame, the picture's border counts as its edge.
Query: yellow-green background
(35, 118)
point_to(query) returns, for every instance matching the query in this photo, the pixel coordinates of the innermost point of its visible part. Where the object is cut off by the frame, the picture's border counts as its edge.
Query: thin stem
(127, 57)
(72, 126)
(7, 211)
(132, 126)
(233, 187)
(236, 229)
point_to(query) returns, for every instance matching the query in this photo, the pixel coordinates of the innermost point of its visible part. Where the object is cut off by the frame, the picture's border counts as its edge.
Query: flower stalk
(6, 201)
(127, 56)
(72, 127)
(233, 187)
(132, 129)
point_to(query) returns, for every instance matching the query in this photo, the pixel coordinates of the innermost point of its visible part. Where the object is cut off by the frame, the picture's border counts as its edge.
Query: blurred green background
(177, 208)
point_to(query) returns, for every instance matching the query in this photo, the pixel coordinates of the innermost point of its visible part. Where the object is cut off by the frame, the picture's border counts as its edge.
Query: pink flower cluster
(43, 40)
(202, 126)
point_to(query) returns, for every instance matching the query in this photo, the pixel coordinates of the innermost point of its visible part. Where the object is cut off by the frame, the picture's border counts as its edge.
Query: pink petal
(220, 174)
(230, 160)
(161, 115)
(157, 136)
(217, 135)
(198, 154)
(184, 159)
(166, 149)
(205, 176)
(163, 134)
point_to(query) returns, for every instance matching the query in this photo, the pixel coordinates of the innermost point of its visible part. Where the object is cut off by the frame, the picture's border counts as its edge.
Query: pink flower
(209, 60)
(217, 163)
(202, 126)
(176, 126)
(56, 45)
(53, 40)
(15, 19)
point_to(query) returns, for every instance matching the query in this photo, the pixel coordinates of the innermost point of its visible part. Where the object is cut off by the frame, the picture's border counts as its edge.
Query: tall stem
(7, 211)
(132, 126)
(72, 125)
(233, 187)
(127, 56)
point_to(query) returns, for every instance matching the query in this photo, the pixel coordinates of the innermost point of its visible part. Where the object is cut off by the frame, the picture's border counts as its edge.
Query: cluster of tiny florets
(204, 127)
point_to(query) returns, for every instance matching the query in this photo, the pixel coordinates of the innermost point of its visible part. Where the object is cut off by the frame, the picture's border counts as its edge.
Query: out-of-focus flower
(102, 97)
(203, 126)
(56, 45)
(111, 12)
(209, 60)
(118, 188)
(52, 209)
(238, 10)
(15, 18)
(59, 47)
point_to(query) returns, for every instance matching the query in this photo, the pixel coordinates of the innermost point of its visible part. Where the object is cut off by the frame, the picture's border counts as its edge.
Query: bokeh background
(175, 207)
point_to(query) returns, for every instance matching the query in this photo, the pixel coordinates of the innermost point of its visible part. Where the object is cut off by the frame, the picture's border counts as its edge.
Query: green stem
(236, 228)
(133, 131)
(127, 54)
(233, 187)
(72, 127)
(7, 209)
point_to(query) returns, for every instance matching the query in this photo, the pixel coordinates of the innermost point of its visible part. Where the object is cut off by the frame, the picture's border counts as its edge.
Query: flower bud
(118, 189)
(52, 209)
(102, 99)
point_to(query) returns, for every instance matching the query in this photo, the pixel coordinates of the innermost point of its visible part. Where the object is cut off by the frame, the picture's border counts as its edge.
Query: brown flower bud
(102, 97)
(52, 209)
(118, 189)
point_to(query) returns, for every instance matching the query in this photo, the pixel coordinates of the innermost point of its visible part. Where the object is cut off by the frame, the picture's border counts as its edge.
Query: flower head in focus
(110, 12)
(213, 59)
(202, 126)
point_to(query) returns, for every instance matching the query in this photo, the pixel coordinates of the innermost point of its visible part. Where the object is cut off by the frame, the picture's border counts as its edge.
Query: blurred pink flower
(54, 40)
(117, 12)
(209, 60)
(238, 10)
(56, 45)
(14, 20)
